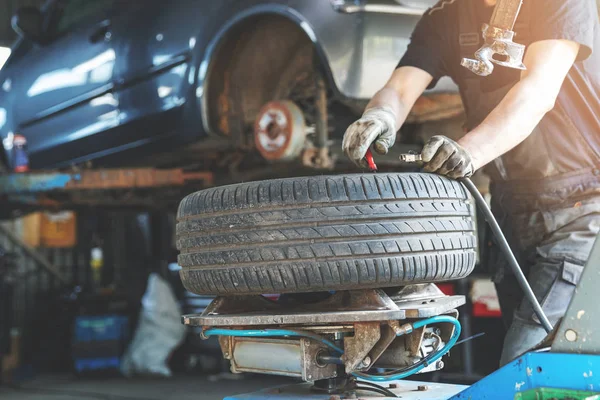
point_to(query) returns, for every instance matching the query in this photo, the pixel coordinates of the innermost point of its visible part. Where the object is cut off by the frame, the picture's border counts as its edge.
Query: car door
(64, 87)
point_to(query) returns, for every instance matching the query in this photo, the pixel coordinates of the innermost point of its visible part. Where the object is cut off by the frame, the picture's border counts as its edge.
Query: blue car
(192, 82)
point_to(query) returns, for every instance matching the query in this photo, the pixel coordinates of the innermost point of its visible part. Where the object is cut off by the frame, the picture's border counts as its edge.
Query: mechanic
(536, 132)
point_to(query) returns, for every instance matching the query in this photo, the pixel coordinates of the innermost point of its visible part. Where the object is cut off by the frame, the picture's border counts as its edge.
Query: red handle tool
(370, 160)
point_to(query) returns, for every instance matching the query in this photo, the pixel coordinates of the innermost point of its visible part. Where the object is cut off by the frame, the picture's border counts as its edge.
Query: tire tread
(325, 233)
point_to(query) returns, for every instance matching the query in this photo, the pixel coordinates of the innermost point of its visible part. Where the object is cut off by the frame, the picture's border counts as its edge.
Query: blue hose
(435, 357)
(271, 333)
(437, 320)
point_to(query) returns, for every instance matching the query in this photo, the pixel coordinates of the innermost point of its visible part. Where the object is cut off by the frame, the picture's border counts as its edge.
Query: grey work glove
(444, 156)
(378, 126)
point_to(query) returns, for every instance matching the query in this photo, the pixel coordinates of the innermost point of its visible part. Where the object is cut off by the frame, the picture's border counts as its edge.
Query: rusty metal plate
(403, 310)
(357, 347)
(388, 335)
(311, 370)
(413, 341)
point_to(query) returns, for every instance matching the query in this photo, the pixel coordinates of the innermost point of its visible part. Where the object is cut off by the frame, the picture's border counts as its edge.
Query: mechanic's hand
(444, 156)
(376, 125)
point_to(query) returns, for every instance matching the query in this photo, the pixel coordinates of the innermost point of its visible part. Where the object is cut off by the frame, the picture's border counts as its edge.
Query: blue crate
(100, 328)
(96, 364)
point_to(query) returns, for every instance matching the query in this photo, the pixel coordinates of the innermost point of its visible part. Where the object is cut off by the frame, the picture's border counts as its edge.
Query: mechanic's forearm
(388, 98)
(510, 123)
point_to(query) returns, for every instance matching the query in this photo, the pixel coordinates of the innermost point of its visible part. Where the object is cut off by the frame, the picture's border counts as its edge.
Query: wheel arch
(216, 48)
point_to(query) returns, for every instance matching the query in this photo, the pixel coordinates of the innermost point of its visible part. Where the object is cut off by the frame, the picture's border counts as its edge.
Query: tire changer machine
(335, 345)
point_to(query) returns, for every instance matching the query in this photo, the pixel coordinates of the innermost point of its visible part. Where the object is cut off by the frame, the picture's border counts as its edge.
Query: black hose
(327, 359)
(512, 261)
(371, 387)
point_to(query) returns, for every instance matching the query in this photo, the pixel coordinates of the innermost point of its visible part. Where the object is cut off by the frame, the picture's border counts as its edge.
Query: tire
(326, 233)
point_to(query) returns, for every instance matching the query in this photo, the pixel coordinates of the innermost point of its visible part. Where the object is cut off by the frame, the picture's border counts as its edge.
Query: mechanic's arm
(513, 120)
(385, 113)
(401, 92)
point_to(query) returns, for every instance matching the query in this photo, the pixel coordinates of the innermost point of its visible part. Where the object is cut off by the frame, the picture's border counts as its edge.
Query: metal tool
(504, 246)
(411, 158)
(498, 36)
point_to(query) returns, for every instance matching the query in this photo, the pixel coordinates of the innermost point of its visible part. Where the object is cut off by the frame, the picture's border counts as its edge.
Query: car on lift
(236, 84)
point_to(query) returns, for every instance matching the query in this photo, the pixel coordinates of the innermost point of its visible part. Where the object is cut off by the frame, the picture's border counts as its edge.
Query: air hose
(489, 217)
(512, 261)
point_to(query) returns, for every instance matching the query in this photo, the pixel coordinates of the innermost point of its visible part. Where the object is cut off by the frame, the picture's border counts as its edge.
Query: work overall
(550, 219)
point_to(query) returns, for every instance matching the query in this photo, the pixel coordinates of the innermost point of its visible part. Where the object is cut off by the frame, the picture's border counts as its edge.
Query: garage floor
(178, 388)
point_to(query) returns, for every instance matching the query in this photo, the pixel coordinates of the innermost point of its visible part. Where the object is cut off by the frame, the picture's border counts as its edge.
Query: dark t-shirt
(567, 140)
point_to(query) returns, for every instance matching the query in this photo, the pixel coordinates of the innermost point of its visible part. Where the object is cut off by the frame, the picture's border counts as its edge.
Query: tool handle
(370, 160)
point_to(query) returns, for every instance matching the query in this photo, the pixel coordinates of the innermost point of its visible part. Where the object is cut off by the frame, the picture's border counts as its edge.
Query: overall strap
(470, 38)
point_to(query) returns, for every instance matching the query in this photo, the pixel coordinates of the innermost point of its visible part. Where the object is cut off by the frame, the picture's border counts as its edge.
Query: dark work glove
(376, 127)
(444, 156)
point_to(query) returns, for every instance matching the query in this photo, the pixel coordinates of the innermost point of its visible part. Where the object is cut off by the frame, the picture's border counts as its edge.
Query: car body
(112, 81)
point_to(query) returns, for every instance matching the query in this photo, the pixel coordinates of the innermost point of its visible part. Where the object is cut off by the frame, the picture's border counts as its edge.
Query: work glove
(444, 156)
(377, 126)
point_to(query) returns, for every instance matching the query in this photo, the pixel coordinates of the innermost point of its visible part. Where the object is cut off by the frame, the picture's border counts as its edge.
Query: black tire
(325, 233)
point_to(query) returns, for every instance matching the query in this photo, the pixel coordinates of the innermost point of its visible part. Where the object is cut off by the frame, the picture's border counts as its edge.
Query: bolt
(393, 386)
(422, 388)
(366, 362)
(439, 364)
(310, 377)
(571, 335)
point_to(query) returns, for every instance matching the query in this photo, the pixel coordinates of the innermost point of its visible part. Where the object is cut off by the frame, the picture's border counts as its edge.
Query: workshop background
(78, 285)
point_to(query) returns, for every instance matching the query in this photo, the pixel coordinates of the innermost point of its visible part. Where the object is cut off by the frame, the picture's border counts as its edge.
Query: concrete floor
(177, 388)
